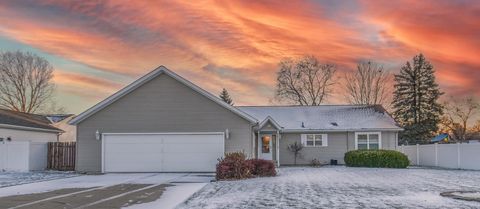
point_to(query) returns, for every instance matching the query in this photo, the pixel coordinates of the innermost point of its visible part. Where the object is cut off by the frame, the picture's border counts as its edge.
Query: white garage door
(179, 152)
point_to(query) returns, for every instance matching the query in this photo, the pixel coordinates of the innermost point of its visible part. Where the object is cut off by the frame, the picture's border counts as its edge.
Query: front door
(265, 148)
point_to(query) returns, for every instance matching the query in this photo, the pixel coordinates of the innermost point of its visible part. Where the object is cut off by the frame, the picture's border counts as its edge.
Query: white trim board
(144, 79)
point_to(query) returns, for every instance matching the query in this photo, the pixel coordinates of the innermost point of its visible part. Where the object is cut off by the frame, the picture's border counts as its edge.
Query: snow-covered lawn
(341, 187)
(17, 178)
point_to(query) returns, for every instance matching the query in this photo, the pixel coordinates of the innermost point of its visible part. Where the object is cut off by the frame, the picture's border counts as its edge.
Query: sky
(98, 47)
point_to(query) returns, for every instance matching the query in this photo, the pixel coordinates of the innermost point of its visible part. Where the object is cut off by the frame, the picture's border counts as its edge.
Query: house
(164, 123)
(61, 122)
(23, 140)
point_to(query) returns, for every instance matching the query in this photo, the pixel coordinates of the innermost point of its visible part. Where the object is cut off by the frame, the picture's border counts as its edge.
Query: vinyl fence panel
(455, 156)
(470, 156)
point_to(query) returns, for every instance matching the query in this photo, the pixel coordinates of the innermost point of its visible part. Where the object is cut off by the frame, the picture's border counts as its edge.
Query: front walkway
(341, 187)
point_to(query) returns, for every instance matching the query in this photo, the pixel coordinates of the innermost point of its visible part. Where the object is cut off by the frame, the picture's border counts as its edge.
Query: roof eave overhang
(26, 128)
(338, 130)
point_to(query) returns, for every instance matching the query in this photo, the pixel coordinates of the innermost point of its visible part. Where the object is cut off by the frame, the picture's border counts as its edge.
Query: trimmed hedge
(376, 159)
(260, 167)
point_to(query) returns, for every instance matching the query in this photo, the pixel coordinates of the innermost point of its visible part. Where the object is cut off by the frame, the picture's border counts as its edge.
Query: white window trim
(324, 140)
(368, 139)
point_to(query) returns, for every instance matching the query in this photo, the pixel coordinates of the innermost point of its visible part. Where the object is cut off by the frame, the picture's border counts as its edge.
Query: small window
(368, 140)
(318, 140)
(314, 140)
(310, 140)
(266, 144)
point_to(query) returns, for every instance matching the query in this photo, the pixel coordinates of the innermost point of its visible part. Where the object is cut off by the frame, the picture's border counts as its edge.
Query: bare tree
(25, 81)
(368, 85)
(457, 115)
(295, 148)
(305, 81)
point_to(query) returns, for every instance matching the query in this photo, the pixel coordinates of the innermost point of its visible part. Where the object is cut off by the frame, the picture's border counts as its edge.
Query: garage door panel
(192, 148)
(130, 148)
(162, 152)
(189, 139)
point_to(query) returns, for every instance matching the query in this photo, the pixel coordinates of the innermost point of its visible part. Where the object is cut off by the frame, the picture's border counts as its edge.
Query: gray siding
(161, 105)
(338, 144)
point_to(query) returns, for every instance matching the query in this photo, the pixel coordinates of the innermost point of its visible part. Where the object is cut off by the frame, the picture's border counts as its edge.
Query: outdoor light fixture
(227, 133)
(97, 135)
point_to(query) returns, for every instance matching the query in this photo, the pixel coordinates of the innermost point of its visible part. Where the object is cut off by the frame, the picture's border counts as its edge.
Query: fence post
(436, 154)
(458, 156)
(418, 155)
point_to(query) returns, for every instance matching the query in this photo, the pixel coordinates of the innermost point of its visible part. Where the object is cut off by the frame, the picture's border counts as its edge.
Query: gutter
(337, 130)
(30, 128)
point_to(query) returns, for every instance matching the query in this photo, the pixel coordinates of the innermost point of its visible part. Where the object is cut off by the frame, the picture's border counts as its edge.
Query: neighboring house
(474, 141)
(164, 123)
(61, 121)
(23, 140)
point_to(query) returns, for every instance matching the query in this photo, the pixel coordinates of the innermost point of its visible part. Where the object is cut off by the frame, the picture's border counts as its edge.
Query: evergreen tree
(415, 103)
(226, 97)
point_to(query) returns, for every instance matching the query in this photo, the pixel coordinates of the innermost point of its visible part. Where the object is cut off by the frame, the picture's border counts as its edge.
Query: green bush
(376, 159)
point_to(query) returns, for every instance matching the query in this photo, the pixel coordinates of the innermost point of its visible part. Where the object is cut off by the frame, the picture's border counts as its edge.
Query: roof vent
(303, 125)
(334, 124)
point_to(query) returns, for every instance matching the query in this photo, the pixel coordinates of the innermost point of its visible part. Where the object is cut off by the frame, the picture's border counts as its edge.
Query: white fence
(23, 156)
(457, 156)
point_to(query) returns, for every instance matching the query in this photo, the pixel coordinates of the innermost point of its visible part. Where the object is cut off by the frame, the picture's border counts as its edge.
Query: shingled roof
(325, 117)
(14, 119)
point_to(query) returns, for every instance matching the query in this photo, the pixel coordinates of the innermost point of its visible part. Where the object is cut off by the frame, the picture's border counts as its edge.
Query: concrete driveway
(145, 190)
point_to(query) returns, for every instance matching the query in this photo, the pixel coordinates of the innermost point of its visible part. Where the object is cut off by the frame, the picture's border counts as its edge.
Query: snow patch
(173, 196)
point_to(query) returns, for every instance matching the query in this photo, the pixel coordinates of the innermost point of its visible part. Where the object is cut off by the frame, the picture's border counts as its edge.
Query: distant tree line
(412, 95)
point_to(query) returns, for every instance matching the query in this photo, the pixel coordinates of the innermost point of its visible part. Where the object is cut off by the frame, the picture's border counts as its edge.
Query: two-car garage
(161, 152)
(160, 123)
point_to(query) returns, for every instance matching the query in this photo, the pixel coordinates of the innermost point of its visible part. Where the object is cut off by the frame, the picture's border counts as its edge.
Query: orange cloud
(237, 44)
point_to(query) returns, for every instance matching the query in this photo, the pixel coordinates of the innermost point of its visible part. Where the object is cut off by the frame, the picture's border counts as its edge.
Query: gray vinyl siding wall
(161, 105)
(338, 144)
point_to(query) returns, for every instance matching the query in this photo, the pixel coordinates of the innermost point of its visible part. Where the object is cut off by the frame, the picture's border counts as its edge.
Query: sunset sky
(97, 48)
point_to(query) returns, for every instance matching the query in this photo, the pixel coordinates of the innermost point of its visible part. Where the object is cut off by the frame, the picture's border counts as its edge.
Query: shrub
(233, 166)
(260, 167)
(315, 163)
(376, 159)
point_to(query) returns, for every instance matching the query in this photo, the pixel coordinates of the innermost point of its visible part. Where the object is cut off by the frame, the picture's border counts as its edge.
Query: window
(368, 140)
(314, 140)
(266, 144)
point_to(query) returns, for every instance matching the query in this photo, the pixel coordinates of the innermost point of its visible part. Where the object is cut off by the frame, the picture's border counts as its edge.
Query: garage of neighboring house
(23, 141)
(160, 123)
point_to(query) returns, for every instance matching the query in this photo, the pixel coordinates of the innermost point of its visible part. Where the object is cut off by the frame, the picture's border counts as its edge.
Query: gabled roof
(272, 121)
(325, 117)
(25, 121)
(144, 79)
